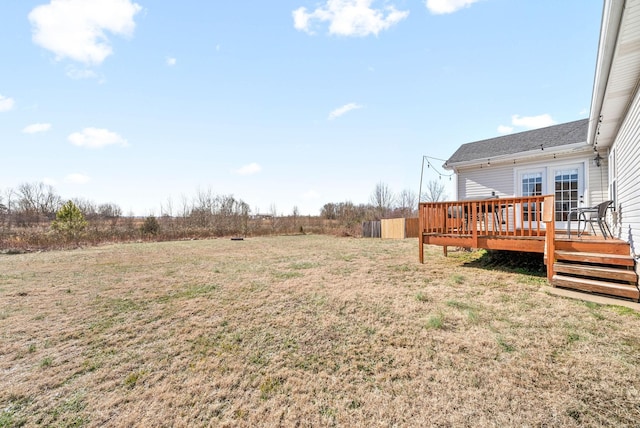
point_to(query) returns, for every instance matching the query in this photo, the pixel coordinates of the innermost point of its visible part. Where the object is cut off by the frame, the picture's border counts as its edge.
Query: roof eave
(530, 154)
(611, 18)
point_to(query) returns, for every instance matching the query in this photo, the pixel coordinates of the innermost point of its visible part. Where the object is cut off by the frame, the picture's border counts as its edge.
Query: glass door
(568, 189)
(530, 183)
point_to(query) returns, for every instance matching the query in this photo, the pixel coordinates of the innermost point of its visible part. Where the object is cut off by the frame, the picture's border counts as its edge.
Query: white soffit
(624, 76)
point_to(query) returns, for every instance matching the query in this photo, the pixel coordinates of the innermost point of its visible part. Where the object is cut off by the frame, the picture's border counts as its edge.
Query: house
(614, 127)
(516, 192)
(555, 160)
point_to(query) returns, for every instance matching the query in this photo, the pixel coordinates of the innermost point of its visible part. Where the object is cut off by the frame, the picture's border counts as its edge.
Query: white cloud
(6, 104)
(502, 129)
(250, 169)
(441, 7)
(171, 61)
(532, 122)
(584, 112)
(301, 20)
(344, 109)
(94, 138)
(49, 181)
(36, 128)
(81, 73)
(77, 179)
(76, 29)
(349, 17)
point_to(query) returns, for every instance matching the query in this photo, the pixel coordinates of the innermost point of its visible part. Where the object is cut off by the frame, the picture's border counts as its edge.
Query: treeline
(383, 203)
(28, 212)
(347, 213)
(34, 205)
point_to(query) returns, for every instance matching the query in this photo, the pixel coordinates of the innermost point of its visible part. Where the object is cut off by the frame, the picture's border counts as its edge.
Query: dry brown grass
(306, 330)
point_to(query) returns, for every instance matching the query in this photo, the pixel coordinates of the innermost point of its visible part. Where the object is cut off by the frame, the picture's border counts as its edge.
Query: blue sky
(282, 104)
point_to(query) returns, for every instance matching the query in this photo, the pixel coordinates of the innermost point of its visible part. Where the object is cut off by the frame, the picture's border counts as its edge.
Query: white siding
(627, 155)
(480, 182)
(597, 181)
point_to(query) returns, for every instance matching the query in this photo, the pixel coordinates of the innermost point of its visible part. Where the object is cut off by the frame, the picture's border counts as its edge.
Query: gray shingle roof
(552, 136)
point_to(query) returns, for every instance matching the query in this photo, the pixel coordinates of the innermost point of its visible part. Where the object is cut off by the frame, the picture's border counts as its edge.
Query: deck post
(548, 214)
(420, 233)
(473, 222)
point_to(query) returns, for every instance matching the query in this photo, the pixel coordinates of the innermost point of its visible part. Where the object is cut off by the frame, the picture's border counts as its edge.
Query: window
(532, 184)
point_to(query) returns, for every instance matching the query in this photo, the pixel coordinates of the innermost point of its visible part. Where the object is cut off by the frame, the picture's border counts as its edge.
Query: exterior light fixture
(597, 160)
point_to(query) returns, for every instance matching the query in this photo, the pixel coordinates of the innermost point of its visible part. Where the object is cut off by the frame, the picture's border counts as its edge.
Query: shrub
(150, 226)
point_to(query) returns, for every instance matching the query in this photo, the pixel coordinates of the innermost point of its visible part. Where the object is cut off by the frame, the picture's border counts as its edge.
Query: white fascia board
(611, 18)
(523, 156)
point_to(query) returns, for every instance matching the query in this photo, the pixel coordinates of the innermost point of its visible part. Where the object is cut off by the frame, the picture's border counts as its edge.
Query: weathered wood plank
(596, 271)
(512, 244)
(392, 228)
(525, 244)
(412, 228)
(609, 246)
(450, 240)
(609, 259)
(621, 290)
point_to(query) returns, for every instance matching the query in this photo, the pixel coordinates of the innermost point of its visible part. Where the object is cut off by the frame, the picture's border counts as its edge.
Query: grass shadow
(510, 261)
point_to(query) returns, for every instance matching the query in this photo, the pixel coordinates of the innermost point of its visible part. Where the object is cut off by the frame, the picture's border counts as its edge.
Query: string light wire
(431, 166)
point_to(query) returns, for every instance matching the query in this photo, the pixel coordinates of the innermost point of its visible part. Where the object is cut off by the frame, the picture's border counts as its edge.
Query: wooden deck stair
(585, 262)
(596, 267)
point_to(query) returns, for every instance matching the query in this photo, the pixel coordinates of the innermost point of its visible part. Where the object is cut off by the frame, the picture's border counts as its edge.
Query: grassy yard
(305, 330)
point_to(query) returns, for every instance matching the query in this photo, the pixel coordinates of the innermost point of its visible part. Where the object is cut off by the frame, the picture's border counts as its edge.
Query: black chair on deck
(590, 215)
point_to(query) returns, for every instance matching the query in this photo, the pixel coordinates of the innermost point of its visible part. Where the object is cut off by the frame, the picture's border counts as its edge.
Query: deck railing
(518, 224)
(496, 217)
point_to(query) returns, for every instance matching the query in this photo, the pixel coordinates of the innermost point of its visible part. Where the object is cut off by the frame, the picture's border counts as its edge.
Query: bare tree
(328, 211)
(4, 212)
(295, 213)
(166, 210)
(382, 199)
(275, 221)
(203, 207)
(9, 208)
(87, 207)
(349, 214)
(434, 192)
(36, 201)
(184, 206)
(407, 203)
(109, 211)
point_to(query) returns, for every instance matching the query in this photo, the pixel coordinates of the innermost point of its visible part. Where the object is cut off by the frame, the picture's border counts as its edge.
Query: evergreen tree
(69, 222)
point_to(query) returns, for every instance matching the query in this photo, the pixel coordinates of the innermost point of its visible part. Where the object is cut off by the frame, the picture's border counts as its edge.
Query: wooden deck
(589, 263)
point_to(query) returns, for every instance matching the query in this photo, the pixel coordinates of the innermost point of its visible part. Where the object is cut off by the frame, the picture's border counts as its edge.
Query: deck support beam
(548, 214)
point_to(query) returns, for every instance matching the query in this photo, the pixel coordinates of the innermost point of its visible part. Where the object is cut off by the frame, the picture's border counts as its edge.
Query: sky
(283, 104)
